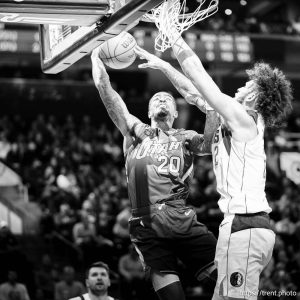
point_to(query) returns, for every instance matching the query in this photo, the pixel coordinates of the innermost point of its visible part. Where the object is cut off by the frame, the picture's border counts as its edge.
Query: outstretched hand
(153, 61)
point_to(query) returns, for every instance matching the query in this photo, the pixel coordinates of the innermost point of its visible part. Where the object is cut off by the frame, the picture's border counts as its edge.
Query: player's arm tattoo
(211, 125)
(115, 106)
(182, 51)
(201, 144)
(184, 86)
(199, 102)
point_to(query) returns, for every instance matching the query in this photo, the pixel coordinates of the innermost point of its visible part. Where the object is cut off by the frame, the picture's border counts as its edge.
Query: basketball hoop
(172, 18)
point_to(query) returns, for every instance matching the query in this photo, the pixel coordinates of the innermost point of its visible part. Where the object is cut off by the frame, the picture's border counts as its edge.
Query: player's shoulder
(21, 286)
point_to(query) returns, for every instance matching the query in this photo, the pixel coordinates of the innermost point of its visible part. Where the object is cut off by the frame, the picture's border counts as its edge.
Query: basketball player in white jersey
(246, 239)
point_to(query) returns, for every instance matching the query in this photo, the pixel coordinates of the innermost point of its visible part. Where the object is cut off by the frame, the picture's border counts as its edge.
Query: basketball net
(172, 18)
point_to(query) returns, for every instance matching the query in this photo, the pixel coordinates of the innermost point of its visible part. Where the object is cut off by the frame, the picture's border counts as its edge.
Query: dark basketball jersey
(159, 164)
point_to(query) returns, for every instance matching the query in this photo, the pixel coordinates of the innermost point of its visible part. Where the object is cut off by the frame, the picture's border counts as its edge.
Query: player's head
(97, 278)
(267, 91)
(162, 107)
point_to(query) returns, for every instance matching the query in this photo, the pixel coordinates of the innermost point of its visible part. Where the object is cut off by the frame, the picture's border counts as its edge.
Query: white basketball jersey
(240, 169)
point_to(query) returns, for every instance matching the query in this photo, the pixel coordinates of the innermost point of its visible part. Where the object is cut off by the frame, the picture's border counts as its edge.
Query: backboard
(69, 30)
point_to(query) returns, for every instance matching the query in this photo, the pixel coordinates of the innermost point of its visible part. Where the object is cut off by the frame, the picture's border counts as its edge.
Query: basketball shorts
(244, 248)
(168, 232)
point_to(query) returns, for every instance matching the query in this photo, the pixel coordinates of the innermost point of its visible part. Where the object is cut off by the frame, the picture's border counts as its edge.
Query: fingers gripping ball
(118, 52)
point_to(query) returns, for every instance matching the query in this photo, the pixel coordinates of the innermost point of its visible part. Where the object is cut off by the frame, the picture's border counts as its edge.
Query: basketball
(117, 52)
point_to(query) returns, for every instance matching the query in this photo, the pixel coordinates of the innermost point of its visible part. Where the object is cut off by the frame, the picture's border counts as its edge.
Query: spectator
(13, 290)
(97, 282)
(133, 284)
(84, 231)
(8, 241)
(84, 236)
(120, 229)
(10, 254)
(65, 220)
(68, 287)
(45, 278)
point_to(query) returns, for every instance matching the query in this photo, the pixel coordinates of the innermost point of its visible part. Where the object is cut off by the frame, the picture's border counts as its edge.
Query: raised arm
(112, 101)
(183, 85)
(241, 124)
(200, 144)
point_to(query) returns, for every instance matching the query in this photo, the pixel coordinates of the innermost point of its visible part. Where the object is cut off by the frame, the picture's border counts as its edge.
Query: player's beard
(97, 292)
(162, 115)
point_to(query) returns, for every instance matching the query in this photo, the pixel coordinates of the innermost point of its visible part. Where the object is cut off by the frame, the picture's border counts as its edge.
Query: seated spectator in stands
(65, 220)
(45, 278)
(84, 231)
(120, 229)
(13, 290)
(133, 284)
(97, 282)
(8, 241)
(68, 287)
(84, 236)
(88, 207)
(47, 224)
(9, 249)
(93, 246)
(285, 225)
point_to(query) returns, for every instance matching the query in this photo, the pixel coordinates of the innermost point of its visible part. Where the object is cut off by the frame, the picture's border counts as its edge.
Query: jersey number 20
(169, 165)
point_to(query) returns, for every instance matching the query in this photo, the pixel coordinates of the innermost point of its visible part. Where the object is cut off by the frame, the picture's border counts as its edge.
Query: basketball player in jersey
(97, 282)
(159, 165)
(246, 239)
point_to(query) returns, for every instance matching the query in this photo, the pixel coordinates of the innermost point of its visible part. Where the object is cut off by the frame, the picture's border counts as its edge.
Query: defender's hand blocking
(154, 62)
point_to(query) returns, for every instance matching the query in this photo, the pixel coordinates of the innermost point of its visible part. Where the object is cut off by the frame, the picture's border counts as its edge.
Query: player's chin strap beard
(162, 115)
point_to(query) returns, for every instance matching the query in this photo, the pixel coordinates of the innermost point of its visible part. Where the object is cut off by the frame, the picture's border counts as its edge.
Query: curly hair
(274, 93)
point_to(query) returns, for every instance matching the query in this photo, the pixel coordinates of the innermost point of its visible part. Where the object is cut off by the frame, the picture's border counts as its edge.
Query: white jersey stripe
(188, 173)
(244, 165)
(247, 264)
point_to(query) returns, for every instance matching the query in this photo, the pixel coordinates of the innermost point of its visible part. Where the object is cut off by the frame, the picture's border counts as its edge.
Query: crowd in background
(74, 170)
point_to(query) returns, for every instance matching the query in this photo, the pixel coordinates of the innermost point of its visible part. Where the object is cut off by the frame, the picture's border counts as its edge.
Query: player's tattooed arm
(201, 144)
(112, 101)
(183, 85)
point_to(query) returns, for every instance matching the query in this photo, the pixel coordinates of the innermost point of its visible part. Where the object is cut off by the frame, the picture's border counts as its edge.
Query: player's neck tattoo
(163, 125)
